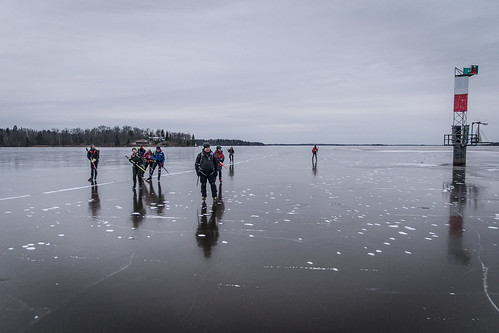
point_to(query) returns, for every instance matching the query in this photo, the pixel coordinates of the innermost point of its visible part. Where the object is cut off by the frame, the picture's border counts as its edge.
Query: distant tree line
(228, 142)
(99, 136)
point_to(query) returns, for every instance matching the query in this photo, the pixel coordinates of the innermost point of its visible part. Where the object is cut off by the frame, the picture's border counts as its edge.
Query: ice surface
(390, 238)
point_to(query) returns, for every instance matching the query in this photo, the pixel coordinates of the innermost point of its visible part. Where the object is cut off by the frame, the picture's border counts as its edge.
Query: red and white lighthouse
(460, 137)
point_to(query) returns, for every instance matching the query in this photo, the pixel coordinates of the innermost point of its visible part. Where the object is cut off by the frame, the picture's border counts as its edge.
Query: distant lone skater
(206, 169)
(93, 157)
(314, 154)
(231, 155)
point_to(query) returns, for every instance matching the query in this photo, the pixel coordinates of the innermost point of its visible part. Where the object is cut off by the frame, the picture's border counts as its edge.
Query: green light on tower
(472, 70)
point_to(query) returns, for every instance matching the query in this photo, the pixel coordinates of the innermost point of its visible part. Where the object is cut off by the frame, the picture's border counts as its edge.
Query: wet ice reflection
(359, 235)
(460, 195)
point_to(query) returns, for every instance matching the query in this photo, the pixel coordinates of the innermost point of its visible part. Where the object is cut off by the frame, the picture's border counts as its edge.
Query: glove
(94, 160)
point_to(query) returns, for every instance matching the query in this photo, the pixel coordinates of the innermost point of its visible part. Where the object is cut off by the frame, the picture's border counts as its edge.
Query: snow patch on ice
(51, 208)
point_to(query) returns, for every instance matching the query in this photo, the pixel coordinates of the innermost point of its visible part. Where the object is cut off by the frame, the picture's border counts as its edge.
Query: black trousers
(148, 164)
(137, 173)
(210, 178)
(152, 167)
(93, 169)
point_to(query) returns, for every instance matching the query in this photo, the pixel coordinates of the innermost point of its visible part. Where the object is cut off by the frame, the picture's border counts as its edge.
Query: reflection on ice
(460, 195)
(94, 201)
(207, 233)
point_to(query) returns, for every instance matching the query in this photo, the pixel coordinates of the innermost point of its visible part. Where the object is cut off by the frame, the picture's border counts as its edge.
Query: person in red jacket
(314, 154)
(219, 154)
(148, 162)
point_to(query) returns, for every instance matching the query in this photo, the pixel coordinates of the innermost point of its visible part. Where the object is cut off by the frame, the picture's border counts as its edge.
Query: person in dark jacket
(158, 161)
(142, 151)
(93, 157)
(231, 155)
(206, 169)
(219, 154)
(137, 170)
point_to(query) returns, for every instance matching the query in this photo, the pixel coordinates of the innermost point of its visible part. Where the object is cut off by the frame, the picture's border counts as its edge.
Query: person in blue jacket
(158, 158)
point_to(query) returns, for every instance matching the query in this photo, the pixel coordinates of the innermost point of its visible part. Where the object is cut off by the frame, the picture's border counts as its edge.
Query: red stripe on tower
(461, 93)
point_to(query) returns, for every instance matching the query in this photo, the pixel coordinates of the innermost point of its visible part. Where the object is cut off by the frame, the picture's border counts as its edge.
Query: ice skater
(93, 157)
(219, 154)
(206, 167)
(148, 162)
(314, 154)
(231, 155)
(137, 170)
(159, 160)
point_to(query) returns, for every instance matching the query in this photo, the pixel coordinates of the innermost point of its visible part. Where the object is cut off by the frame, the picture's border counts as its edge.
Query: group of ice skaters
(142, 159)
(208, 165)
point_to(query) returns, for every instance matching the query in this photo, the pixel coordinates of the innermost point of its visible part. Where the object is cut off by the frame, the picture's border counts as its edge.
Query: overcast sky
(272, 71)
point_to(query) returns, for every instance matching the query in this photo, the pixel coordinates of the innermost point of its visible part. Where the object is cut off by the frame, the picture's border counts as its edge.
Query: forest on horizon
(105, 136)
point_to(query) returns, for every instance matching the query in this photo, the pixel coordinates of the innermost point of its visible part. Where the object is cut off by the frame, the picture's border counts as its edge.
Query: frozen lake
(378, 239)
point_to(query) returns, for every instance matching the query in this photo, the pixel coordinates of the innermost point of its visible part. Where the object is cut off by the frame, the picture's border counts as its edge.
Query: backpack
(206, 162)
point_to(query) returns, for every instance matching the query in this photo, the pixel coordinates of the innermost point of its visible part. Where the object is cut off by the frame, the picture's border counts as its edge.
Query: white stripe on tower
(461, 93)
